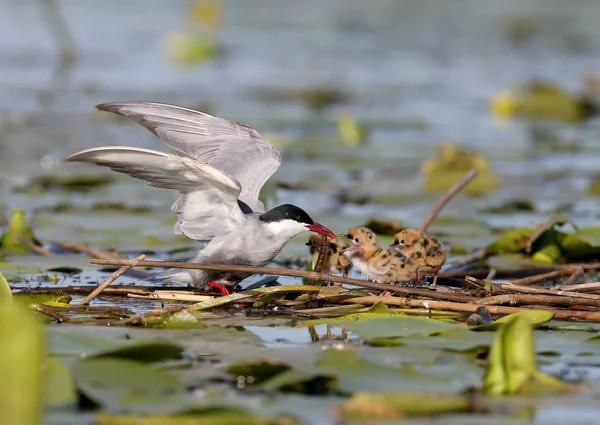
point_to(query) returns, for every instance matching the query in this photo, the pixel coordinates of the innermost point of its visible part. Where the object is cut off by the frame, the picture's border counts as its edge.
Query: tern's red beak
(321, 230)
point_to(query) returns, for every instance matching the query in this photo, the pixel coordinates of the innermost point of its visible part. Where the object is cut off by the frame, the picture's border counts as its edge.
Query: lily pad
(536, 318)
(12, 240)
(69, 342)
(59, 388)
(582, 243)
(21, 356)
(388, 406)
(125, 386)
(396, 327)
(5, 291)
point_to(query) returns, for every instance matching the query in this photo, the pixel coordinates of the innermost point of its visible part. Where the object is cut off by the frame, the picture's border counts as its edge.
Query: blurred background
(377, 107)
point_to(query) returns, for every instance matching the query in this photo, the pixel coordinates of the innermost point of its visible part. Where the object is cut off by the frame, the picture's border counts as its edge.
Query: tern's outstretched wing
(233, 148)
(209, 200)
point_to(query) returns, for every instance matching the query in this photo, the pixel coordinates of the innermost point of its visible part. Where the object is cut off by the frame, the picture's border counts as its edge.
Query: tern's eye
(401, 241)
(355, 239)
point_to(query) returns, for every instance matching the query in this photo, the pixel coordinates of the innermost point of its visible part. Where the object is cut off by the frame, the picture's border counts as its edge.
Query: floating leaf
(125, 386)
(512, 367)
(191, 48)
(21, 356)
(207, 416)
(350, 131)
(582, 243)
(5, 291)
(536, 318)
(59, 388)
(17, 230)
(75, 342)
(396, 327)
(387, 406)
(450, 166)
(53, 299)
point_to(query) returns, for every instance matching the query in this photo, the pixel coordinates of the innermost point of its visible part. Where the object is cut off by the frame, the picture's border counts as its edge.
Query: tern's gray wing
(209, 201)
(233, 148)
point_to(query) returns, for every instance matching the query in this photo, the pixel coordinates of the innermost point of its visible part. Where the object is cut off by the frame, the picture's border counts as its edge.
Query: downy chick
(334, 261)
(426, 252)
(378, 263)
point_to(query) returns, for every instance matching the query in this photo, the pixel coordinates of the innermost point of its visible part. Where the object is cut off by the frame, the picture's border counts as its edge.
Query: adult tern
(223, 167)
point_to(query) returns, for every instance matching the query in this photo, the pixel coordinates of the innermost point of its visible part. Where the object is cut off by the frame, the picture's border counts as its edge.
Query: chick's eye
(401, 241)
(355, 239)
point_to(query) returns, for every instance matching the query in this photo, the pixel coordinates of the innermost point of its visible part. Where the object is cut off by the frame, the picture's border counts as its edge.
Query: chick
(378, 263)
(334, 261)
(426, 252)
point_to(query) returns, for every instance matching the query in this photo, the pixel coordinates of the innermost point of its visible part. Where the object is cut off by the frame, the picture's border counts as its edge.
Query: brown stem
(96, 253)
(32, 246)
(471, 307)
(514, 299)
(110, 280)
(572, 280)
(85, 249)
(531, 280)
(447, 197)
(285, 272)
(50, 313)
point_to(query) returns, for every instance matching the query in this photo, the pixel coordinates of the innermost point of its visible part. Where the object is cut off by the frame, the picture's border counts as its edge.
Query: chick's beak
(321, 230)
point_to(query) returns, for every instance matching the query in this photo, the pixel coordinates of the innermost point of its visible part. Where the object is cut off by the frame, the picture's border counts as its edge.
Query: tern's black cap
(287, 212)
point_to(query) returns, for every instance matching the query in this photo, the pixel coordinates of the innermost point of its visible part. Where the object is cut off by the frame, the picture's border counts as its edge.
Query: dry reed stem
(451, 193)
(471, 307)
(110, 280)
(32, 246)
(288, 272)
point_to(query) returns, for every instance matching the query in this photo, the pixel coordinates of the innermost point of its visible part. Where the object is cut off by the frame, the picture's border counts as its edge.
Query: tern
(219, 168)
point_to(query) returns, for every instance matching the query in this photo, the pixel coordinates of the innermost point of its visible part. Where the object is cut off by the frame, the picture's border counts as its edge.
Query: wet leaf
(512, 366)
(260, 370)
(191, 48)
(582, 243)
(5, 291)
(59, 388)
(125, 386)
(396, 326)
(388, 406)
(452, 163)
(17, 229)
(536, 318)
(21, 357)
(350, 131)
(76, 342)
(208, 416)
(54, 299)
(511, 241)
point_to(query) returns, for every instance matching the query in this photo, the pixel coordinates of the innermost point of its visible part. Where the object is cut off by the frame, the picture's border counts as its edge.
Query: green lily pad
(389, 406)
(125, 386)
(53, 299)
(59, 388)
(536, 318)
(17, 229)
(74, 342)
(21, 356)
(582, 243)
(5, 291)
(396, 326)
(207, 416)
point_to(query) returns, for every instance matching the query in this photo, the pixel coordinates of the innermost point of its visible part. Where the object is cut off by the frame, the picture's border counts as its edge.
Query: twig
(110, 280)
(449, 195)
(475, 256)
(320, 264)
(531, 280)
(534, 290)
(572, 280)
(85, 249)
(50, 313)
(172, 296)
(32, 246)
(529, 299)
(583, 287)
(470, 307)
(287, 272)
(95, 253)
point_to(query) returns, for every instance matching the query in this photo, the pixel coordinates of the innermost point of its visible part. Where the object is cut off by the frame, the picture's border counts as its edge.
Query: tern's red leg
(222, 288)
